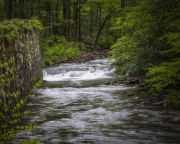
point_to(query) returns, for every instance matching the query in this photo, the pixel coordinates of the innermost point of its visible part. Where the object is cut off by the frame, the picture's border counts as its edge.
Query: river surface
(73, 106)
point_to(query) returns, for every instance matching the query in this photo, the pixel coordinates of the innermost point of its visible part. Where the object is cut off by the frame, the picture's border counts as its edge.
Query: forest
(143, 37)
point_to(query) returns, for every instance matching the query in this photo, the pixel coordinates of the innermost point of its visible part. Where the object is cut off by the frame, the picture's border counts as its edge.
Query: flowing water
(73, 106)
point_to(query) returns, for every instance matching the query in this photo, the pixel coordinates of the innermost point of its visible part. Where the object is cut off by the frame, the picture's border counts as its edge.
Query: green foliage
(58, 49)
(37, 23)
(149, 44)
(125, 47)
(138, 46)
(166, 76)
(31, 141)
(10, 111)
(9, 30)
(174, 97)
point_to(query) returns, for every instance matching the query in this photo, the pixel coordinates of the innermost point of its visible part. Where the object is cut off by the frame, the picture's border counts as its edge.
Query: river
(73, 106)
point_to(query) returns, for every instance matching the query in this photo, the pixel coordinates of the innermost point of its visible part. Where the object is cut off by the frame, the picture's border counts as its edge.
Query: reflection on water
(72, 109)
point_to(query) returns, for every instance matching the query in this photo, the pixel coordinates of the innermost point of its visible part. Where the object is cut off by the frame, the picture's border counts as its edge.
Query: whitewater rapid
(91, 70)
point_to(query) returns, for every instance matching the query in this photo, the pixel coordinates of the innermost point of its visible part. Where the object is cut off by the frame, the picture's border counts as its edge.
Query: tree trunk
(49, 9)
(122, 4)
(64, 17)
(21, 9)
(75, 20)
(32, 9)
(68, 15)
(91, 21)
(9, 9)
(79, 25)
(100, 29)
(51, 17)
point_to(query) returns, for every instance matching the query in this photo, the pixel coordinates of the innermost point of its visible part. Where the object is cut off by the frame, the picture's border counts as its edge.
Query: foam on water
(92, 70)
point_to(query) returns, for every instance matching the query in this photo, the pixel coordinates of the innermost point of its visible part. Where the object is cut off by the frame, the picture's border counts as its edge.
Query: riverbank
(88, 55)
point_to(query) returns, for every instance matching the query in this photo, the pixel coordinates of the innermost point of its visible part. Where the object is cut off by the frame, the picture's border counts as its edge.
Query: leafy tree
(149, 43)
(166, 75)
(138, 46)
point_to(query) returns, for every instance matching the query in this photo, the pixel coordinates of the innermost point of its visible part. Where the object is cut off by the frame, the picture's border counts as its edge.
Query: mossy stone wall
(20, 57)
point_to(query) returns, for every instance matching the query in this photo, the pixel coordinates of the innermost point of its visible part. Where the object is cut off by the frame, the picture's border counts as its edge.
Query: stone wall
(20, 59)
